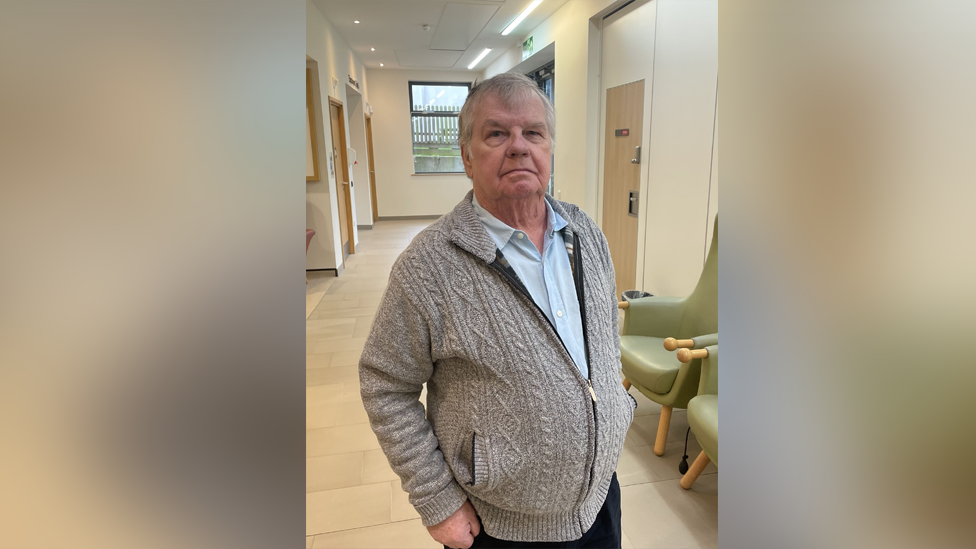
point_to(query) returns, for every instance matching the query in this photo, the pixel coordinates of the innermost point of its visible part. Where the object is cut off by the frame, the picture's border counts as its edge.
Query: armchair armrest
(699, 342)
(708, 385)
(700, 349)
(703, 341)
(656, 316)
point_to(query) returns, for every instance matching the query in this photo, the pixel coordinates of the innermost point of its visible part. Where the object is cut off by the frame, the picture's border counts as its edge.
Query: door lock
(633, 204)
(636, 158)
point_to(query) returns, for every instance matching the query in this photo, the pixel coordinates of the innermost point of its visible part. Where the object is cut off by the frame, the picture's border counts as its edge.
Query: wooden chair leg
(695, 471)
(662, 430)
(626, 384)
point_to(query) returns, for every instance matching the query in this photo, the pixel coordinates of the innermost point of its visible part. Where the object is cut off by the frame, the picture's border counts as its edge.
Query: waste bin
(635, 294)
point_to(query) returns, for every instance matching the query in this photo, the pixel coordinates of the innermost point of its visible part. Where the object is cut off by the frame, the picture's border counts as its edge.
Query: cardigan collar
(468, 233)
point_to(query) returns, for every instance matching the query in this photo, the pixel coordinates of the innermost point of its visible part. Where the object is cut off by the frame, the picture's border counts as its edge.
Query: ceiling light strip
(480, 57)
(521, 16)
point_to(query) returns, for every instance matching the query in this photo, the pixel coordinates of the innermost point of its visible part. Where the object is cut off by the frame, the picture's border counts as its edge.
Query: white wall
(398, 191)
(713, 185)
(681, 145)
(577, 94)
(321, 212)
(359, 168)
(333, 58)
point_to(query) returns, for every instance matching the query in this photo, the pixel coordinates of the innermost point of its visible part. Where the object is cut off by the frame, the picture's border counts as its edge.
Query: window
(434, 109)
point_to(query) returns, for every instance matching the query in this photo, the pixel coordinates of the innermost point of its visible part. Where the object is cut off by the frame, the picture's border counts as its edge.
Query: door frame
(372, 169)
(615, 229)
(346, 187)
(599, 50)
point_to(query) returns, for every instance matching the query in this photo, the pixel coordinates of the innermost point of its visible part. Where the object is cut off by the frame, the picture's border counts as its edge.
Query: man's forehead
(492, 111)
(529, 122)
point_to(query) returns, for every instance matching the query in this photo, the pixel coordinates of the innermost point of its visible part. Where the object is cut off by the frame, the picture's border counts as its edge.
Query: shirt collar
(502, 233)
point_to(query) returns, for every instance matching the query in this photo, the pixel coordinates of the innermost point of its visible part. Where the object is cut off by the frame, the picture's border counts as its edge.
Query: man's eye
(496, 134)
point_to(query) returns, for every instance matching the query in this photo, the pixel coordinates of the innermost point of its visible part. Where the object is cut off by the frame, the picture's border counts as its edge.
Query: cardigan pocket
(471, 463)
(480, 468)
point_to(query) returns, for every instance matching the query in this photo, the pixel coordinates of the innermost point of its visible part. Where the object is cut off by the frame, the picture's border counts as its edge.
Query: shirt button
(520, 235)
(559, 314)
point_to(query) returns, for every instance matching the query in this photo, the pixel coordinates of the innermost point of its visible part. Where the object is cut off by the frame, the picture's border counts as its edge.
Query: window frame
(435, 114)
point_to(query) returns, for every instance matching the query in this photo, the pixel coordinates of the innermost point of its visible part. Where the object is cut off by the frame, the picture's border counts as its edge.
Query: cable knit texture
(510, 423)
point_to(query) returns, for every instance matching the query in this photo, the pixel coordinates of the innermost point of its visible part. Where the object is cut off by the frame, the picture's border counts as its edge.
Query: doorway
(372, 172)
(621, 179)
(343, 194)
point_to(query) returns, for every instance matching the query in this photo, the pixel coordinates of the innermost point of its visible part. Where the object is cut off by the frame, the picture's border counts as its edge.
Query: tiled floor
(353, 498)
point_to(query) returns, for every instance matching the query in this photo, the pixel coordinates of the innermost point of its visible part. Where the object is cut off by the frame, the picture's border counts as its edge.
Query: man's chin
(524, 192)
(522, 184)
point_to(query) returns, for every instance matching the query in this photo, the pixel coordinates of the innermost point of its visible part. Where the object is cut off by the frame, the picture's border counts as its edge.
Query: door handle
(633, 203)
(636, 159)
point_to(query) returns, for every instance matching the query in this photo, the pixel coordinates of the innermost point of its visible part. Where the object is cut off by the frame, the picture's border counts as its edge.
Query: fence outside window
(434, 109)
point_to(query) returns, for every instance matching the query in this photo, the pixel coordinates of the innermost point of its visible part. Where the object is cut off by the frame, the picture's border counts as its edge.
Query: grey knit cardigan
(511, 424)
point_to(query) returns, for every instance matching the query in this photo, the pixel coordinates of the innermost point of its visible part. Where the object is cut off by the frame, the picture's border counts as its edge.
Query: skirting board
(364, 227)
(408, 217)
(338, 270)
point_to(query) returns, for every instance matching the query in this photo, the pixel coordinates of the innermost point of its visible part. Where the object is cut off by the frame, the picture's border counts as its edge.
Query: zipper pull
(592, 393)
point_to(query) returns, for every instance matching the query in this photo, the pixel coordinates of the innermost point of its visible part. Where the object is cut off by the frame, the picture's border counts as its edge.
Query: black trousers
(604, 534)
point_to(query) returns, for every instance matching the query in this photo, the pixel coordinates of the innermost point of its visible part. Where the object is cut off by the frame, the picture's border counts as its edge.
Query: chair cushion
(646, 362)
(703, 420)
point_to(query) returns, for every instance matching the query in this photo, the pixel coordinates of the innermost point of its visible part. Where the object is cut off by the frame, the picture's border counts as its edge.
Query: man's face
(509, 150)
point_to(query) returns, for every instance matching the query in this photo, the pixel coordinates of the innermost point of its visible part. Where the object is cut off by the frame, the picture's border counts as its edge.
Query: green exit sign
(527, 48)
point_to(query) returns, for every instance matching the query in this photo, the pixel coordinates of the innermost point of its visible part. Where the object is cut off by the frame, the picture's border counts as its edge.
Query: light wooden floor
(353, 499)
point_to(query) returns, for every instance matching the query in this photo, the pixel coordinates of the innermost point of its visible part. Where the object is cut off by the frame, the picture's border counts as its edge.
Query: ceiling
(459, 30)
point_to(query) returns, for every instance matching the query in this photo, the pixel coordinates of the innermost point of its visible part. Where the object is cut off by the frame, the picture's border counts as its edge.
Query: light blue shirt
(549, 280)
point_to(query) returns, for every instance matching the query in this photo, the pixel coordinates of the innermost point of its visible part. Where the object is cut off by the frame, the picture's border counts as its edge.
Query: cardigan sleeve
(395, 363)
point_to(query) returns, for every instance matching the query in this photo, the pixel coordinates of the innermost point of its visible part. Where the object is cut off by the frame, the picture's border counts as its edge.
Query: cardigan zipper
(578, 280)
(578, 260)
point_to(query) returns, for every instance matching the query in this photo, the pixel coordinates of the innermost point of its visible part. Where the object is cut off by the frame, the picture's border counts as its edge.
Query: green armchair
(645, 356)
(703, 416)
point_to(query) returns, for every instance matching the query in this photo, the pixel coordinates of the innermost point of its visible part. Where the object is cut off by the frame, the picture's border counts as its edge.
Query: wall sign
(622, 133)
(354, 83)
(527, 48)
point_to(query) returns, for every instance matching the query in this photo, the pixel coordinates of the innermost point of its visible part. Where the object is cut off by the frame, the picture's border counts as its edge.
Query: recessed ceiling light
(381, 64)
(480, 57)
(521, 16)
(372, 49)
(357, 22)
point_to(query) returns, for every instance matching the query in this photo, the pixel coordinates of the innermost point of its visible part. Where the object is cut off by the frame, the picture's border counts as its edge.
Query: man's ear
(468, 167)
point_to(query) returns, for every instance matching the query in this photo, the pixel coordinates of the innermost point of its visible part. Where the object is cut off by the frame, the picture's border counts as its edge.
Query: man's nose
(517, 145)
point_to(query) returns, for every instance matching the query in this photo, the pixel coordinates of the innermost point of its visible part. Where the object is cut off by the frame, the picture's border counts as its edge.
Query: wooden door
(372, 172)
(621, 179)
(342, 177)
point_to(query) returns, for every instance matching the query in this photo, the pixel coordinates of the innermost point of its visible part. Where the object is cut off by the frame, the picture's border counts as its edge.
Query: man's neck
(527, 215)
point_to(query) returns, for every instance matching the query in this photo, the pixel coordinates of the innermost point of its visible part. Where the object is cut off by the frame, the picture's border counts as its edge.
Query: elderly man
(506, 309)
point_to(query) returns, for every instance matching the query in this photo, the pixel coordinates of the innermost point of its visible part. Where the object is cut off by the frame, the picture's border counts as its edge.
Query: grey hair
(510, 88)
